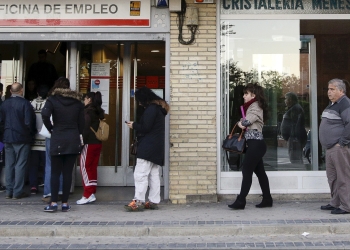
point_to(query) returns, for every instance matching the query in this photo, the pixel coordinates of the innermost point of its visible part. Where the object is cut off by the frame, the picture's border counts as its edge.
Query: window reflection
(269, 52)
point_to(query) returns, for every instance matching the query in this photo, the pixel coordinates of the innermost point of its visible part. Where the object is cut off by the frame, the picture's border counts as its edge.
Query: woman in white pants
(150, 150)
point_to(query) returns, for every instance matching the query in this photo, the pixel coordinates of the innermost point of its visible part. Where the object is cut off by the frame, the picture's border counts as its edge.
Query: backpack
(102, 132)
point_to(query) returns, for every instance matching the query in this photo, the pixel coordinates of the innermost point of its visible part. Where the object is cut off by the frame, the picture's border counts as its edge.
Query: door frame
(106, 173)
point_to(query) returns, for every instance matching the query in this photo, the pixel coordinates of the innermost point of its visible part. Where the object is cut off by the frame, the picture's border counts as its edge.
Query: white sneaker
(84, 200)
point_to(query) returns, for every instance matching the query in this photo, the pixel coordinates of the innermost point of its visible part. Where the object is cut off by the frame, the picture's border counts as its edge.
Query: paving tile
(211, 245)
(4, 246)
(77, 246)
(260, 245)
(59, 246)
(37, 246)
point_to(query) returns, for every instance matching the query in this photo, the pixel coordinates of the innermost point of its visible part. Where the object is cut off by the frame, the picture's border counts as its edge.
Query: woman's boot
(239, 203)
(266, 201)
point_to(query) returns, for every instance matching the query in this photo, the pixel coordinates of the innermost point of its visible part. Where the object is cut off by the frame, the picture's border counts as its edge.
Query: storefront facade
(110, 47)
(288, 47)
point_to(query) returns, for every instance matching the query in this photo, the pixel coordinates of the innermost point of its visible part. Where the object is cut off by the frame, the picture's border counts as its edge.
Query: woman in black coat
(150, 131)
(67, 112)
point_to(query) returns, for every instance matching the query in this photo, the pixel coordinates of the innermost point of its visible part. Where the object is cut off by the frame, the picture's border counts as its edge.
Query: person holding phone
(150, 150)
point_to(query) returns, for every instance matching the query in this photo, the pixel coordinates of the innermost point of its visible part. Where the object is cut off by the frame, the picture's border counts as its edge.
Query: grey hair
(293, 97)
(339, 84)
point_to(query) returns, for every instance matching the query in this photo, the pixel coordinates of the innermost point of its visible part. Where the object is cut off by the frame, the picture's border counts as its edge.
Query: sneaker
(66, 208)
(134, 206)
(34, 190)
(22, 195)
(8, 196)
(51, 208)
(84, 200)
(151, 205)
(2, 188)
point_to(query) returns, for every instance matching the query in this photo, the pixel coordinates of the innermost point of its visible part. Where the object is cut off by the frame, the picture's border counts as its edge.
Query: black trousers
(61, 164)
(253, 163)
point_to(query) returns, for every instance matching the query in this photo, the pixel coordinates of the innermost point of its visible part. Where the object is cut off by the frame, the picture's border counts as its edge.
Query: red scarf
(247, 104)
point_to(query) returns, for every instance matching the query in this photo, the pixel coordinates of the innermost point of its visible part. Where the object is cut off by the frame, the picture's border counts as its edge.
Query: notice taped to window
(135, 8)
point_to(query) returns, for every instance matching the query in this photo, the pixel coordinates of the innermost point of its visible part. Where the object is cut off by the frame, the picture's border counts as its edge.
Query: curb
(156, 231)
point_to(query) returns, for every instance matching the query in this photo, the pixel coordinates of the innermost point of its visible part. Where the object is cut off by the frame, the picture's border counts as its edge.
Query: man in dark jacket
(40, 73)
(293, 128)
(17, 122)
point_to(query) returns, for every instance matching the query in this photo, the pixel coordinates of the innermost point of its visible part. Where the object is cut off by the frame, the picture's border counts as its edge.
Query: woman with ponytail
(91, 151)
(255, 109)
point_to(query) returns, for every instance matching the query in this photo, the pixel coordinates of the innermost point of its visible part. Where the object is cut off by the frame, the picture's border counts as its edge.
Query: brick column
(193, 130)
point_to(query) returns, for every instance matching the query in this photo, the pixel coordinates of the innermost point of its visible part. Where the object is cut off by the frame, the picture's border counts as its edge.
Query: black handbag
(133, 147)
(234, 142)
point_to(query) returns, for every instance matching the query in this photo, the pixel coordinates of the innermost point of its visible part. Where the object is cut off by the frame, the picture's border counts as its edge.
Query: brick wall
(193, 110)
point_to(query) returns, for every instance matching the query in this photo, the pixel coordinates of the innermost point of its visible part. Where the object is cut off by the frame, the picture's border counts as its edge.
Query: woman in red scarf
(255, 109)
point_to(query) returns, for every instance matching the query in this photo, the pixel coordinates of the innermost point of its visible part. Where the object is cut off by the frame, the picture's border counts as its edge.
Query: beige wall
(193, 110)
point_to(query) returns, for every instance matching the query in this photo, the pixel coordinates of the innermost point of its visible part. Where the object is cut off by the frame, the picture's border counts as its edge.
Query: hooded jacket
(67, 112)
(150, 131)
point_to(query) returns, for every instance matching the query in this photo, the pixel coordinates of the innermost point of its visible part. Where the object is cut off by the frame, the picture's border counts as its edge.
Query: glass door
(116, 70)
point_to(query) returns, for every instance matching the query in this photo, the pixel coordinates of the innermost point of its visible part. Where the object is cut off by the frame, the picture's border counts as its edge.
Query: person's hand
(240, 125)
(129, 124)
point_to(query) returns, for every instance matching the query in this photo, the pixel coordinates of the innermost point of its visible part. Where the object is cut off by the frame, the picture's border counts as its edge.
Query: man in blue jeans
(17, 124)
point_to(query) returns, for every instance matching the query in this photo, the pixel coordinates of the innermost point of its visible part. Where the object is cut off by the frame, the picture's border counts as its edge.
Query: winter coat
(150, 132)
(67, 112)
(92, 115)
(17, 122)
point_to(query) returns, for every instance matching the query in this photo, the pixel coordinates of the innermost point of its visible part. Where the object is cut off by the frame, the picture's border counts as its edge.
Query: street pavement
(104, 224)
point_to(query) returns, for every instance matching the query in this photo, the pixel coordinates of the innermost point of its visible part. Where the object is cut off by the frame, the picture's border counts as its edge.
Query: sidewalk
(26, 217)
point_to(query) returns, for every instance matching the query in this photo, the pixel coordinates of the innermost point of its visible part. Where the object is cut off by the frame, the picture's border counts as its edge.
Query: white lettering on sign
(72, 13)
(59, 9)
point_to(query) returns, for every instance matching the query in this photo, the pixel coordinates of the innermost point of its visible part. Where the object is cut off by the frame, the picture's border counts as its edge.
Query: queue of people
(61, 112)
(70, 124)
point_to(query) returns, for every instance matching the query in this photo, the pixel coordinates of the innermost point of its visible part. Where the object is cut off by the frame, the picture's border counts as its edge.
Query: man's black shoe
(339, 211)
(328, 207)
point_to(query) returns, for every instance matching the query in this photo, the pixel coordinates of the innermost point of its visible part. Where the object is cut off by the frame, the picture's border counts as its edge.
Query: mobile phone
(126, 122)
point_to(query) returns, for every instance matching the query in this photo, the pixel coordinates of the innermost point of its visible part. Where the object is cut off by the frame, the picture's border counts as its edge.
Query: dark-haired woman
(150, 150)
(90, 154)
(255, 108)
(67, 113)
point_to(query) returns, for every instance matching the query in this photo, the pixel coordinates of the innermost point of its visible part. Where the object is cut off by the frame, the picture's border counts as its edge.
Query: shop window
(271, 53)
